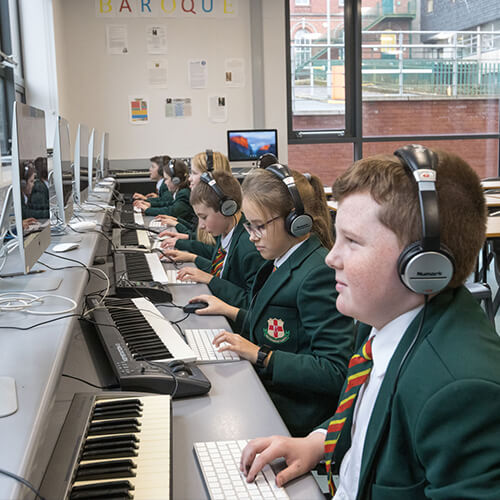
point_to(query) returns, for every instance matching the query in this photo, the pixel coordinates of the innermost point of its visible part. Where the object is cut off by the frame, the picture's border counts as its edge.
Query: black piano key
(110, 452)
(131, 411)
(120, 440)
(109, 469)
(112, 490)
(114, 403)
(114, 426)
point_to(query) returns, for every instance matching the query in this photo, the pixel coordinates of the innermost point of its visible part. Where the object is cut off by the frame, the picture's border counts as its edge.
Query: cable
(106, 387)
(23, 481)
(22, 301)
(24, 328)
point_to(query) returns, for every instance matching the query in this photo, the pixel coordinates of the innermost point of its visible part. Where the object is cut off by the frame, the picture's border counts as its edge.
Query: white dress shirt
(286, 255)
(158, 185)
(384, 345)
(225, 243)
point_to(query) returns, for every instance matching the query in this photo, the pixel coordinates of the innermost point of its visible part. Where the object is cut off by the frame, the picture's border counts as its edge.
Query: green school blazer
(164, 196)
(241, 265)
(179, 207)
(293, 310)
(443, 439)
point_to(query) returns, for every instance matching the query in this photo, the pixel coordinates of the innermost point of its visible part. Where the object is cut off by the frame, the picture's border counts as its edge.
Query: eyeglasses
(258, 230)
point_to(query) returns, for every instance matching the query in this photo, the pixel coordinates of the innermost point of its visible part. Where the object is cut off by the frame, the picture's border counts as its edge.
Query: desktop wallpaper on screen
(249, 145)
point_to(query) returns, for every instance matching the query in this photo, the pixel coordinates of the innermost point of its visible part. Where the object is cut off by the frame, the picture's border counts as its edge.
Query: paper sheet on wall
(235, 72)
(116, 39)
(138, 110)
(198, 73)
(156, 39)
(178, 107)
(217, 109)
(157, 73)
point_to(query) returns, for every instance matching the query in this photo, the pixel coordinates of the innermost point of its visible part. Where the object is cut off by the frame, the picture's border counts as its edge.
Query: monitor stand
(8, 396)
(29, 283)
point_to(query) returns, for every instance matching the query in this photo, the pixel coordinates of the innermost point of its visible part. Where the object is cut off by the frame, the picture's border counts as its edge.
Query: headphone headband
(297, 222)
(227, 206)
(425, 266)
(209, 157)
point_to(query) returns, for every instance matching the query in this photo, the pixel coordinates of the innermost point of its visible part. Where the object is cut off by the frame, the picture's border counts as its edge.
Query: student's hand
(151, 195)
(179, 255)
(168, 243)
(167, 220)
(227, 341)
(194, 274)
(143, 205)
(138, 196)
(300, 454)
(215, 306)
(28, 222)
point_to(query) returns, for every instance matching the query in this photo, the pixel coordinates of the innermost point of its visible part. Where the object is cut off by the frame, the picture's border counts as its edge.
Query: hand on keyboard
(300, 454)
(179, 255)
(167, 220)
(194, 274)
(227, 341)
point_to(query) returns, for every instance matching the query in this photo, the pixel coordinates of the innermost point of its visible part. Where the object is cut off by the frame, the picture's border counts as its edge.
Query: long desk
(236, 407)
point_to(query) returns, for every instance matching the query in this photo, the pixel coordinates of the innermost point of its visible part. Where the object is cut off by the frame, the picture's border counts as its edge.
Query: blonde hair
(462, 207)
(221, 164)
(270, 194)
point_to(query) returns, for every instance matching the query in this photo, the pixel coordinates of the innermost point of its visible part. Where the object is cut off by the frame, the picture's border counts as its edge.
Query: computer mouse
(191, 307)
(83, 225)
(65, 247)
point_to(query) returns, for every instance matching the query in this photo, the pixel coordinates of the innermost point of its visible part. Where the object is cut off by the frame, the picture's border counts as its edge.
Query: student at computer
(176, 179)
(231, 267)
(422, 419)
(39, 198)
(162, 194)
(292, 332)
(207, 161)
(27, 174)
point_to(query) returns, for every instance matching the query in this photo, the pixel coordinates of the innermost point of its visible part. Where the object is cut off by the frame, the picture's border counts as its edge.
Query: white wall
(93, 87)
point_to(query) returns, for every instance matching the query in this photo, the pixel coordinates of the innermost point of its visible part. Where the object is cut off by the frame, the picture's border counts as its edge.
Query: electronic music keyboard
(145, 351)
(139, 274)
(130, 240)
(114, 448)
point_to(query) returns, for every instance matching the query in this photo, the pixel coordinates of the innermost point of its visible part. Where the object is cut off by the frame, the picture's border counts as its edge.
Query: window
(11, 76)
(397, 76)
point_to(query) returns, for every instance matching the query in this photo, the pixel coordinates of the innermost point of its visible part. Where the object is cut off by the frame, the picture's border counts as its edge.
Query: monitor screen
(30, 182)
(249, 145)
(63, 173)
(92, 156)
(81, 163)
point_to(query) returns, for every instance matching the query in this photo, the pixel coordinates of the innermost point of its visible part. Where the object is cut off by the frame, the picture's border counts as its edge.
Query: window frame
(353, 132)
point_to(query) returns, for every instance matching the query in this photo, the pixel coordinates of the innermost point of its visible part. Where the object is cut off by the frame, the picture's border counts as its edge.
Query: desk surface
(493, 227)
(236, 407)
(490, 184)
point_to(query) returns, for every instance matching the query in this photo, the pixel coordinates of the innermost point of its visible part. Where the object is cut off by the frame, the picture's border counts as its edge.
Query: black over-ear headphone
(209, 159)
(171, 172)
(227, 206)
(425, 266)
(25, 177)
(266, 159)
(297, 222)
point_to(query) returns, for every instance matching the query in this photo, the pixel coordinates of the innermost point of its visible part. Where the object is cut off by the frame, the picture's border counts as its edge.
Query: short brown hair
(221, 163)
(161, 161)
(181, 171)
(462, 207)
(204, 194)
(267, 191)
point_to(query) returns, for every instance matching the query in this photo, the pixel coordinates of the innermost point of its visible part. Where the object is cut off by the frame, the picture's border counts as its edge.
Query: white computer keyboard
(157, 224)
(200, 340)
(172, 278)
(100, 189)
(220, 465)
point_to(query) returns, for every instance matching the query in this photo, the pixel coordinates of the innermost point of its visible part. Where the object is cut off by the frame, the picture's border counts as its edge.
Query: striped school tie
(218, 262)
(358, 372)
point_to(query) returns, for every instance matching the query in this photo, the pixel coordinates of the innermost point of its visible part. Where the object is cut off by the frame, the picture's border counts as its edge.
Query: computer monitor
(30, 194)
(249, 145)
(63, 174)
(93, 163)
(81, 164)
(104, 155)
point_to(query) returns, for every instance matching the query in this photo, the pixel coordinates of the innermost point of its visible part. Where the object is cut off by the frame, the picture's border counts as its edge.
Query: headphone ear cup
(228, 207)
(425, 272)
(298, 225)
(176, 180)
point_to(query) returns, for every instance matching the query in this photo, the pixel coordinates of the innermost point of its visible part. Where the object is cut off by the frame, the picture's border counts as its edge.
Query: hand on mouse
(194, 274)
(227, 341)
(215, 306)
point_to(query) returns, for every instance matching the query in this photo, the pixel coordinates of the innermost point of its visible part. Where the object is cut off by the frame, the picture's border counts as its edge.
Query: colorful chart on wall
(138, 110)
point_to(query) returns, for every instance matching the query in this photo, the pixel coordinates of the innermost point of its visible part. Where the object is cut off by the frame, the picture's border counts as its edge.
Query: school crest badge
(276, 331)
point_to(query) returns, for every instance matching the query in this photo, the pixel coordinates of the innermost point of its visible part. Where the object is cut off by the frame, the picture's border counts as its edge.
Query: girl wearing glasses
(292, 332)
